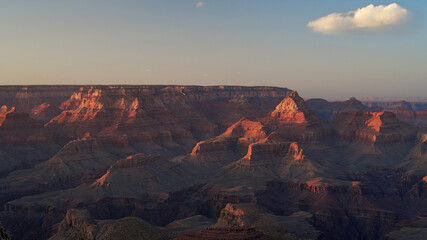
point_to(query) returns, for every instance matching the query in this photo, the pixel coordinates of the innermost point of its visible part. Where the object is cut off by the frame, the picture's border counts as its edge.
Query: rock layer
(172, 154)
(373, 127)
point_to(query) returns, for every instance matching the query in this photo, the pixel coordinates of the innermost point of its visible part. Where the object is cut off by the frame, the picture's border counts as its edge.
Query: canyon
(192, 162)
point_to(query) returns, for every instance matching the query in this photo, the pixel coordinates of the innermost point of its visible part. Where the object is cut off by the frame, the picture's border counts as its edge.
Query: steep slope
(249, 221)
(166, 120)
(410, 112)
(170, 119)
(23, 141)
(227, 147)
(329, 110)
(18, 128)
(77, 162)
(137, 179)
(78, 224)
(26, 98)
(372, 127)
(414, 229)
(276, 227)
(293, 121)
(357, 176)
(415, 161)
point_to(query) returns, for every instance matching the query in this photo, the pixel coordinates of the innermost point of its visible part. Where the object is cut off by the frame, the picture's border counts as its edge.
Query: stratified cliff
(257, 160)
(382, 127)
(166, 120)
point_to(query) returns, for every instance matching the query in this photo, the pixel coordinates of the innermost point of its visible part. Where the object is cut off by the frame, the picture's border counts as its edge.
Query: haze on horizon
(329, 49)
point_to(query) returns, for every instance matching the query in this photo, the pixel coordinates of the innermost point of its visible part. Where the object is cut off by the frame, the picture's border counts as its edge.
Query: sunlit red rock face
(165, 120)
(292, 109)
(240, 134)
(293, 121)
(273, 135)
(4, 111)
(410, 112)
(41, 102)
(247, 156)
(170, 116)
(373, 127)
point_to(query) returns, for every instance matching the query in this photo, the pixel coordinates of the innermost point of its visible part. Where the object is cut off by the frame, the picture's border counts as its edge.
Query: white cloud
(200, 4)
(369, 19)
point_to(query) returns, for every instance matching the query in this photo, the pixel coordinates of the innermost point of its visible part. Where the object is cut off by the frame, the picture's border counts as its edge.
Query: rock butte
(191, 162)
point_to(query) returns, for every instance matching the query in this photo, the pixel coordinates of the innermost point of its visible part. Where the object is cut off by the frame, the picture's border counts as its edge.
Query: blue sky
(231, 42)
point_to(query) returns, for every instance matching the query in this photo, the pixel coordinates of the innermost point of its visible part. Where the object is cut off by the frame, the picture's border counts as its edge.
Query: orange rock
(382, 127)
(292, 109)
(293, 121)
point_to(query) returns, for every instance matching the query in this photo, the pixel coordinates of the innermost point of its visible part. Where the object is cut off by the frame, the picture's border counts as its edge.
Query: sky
(321, 48)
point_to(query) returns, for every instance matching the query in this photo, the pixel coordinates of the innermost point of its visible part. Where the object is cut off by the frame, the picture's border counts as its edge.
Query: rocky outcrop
(295, 225)
(372, 127)
(128, 182)
(79, 161)
(169, 119)
(240, 135)
(250, 153)
(25, 98)
(141, 175)
(329, 110)
(4, 111)
(173, 118)
(78, 224)
(388, 105)
(293, 121)
(404, 110)
(156, 153)
(292, 109)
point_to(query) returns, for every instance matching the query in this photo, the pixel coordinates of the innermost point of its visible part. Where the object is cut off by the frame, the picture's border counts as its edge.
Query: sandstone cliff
(293, 121)
(373, 127)
(174, 155)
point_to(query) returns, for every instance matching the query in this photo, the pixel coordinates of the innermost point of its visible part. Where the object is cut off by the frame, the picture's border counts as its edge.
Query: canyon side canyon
(217, 162)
